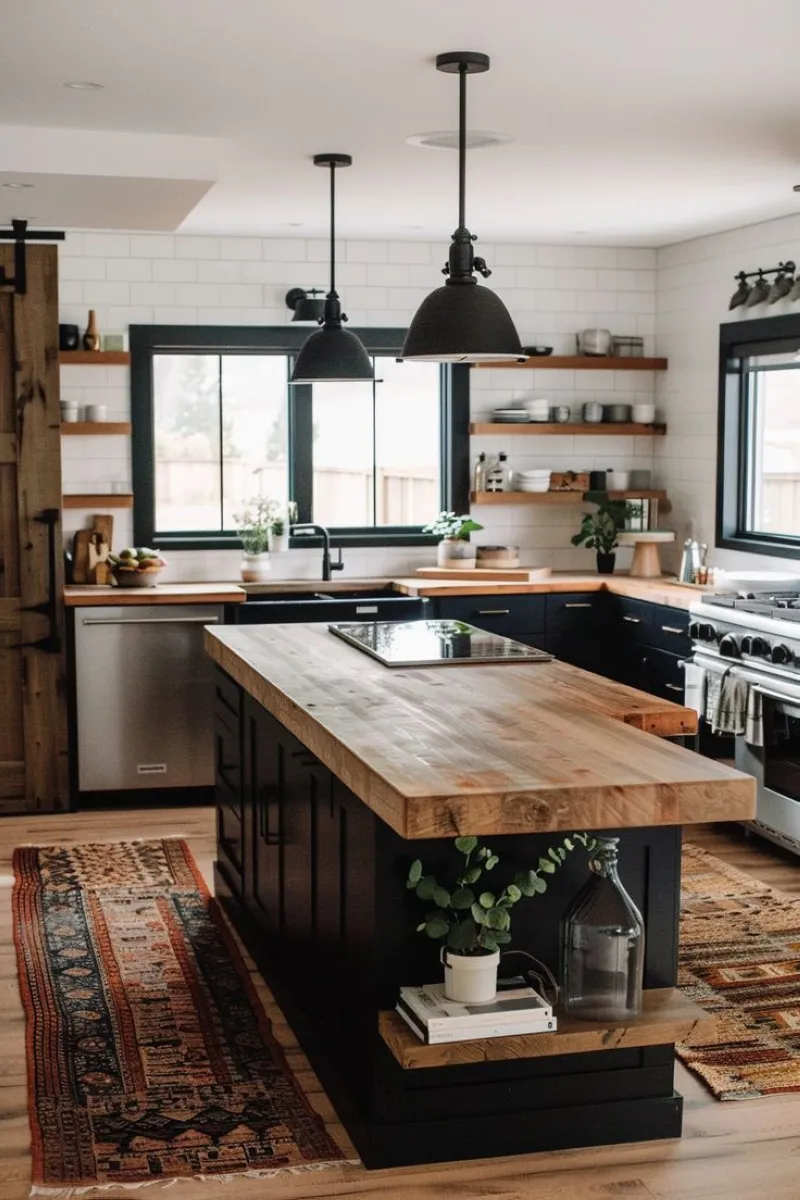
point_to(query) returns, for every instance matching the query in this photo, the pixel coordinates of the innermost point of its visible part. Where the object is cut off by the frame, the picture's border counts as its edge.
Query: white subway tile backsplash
(240, 248)
(152, 245)
(183, 270)
(128, 269)
(106, 245)
(197, 247)
(366, 252)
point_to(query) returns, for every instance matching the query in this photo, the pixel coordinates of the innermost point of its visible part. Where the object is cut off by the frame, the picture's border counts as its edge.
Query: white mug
(95, 412)
(69, 412)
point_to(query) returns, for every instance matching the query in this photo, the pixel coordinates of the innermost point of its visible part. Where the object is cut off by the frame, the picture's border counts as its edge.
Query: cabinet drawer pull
(673, 629)
(673, 687)
(633, 620)
(579, 604)
(494, 612)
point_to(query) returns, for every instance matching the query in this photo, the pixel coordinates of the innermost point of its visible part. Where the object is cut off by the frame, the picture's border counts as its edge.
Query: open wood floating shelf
(667, 1016)
(560, 497)
(94, 428)
(595, 429)
(576, 362)
(95, 499)
(97, 358)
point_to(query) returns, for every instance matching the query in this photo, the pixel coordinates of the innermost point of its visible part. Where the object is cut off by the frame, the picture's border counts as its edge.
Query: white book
(475, 1033)
(435, 1011)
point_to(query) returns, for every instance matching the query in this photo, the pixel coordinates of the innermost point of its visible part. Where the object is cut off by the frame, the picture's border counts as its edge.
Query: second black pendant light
(461, 321)
(332, 354)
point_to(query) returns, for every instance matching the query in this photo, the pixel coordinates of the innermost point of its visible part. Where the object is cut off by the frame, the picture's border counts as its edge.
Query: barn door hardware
(19, 234)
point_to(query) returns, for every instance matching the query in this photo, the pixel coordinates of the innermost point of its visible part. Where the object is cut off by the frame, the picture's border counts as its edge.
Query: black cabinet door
(574, 629)
(264, 775)
(507, 615)
(662, 674)
(228, 786)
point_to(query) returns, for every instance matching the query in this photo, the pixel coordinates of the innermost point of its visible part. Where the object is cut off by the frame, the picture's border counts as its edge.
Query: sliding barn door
(33, 711)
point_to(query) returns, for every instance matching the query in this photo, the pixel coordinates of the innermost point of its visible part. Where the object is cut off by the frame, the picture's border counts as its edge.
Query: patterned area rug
(150, 1056)
(740, 959)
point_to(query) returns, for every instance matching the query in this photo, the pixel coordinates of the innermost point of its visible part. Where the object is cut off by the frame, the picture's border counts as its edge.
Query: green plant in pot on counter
(599, 529)
(454, 549)
(474, 921)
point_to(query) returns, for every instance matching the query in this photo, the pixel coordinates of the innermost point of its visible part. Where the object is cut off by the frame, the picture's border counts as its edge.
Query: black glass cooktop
(433, 644)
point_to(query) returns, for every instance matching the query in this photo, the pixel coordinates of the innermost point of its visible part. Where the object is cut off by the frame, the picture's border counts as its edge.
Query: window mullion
(221, 450)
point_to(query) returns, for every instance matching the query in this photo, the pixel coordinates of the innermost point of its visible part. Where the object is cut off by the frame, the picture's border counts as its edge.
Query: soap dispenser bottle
(479, 474)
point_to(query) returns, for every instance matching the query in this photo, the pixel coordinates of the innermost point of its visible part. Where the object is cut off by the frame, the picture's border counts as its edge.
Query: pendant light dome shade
(332, 354)
(462, 321)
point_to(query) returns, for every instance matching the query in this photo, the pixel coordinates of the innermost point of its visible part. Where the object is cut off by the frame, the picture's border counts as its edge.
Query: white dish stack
(538, 410)
(534, 481)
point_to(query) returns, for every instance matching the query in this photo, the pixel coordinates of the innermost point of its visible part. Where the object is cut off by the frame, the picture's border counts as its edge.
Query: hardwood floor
(730, 1151)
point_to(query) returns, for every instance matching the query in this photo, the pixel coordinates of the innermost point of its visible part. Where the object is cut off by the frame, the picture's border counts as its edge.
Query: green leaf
(426, 887)
(501, 937)
(483, 852)
(487, 900)
(544, 865)
(421, 927)
(554, 855)
(465, 845)
(472, 875)
(441, 896)
(492, 861)
(479, 915)
(436, 914)
(569, 843)
(436, 928)
(489, 943)
(463, 936)
(540, 886)
(462, 898)
(498, 918)
(526, 882)
(514, 893)
(415, 872)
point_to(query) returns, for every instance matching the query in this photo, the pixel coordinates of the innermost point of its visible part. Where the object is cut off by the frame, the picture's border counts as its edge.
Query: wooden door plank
(8, 448)
(9, 613)
(36, 402)
(12, 780)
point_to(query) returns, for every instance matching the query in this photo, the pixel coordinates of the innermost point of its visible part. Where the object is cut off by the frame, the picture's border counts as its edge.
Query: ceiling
(634, 123)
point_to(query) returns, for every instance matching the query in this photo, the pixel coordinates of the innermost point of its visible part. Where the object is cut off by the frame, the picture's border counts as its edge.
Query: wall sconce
(784, 284)
(303, 304)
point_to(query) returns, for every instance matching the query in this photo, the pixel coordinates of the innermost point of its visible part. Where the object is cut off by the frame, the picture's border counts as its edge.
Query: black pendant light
(462, 322)
(332, 354)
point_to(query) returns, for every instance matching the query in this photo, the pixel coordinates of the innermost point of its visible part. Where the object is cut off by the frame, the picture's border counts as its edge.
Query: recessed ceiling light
(83, 85)
(16, 185)
(447, 139)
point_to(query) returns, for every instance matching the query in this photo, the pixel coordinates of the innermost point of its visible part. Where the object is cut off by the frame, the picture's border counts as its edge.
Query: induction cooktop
(433, 644)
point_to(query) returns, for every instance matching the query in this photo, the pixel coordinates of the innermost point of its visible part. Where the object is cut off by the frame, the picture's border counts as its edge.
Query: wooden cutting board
(80, 556)
(103, 523)
(501, 574)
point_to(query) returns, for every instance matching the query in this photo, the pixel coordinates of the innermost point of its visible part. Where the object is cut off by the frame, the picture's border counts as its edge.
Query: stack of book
(434, 1019)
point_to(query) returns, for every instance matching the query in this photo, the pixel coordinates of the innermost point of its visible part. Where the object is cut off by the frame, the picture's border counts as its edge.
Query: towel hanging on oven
(730, 711)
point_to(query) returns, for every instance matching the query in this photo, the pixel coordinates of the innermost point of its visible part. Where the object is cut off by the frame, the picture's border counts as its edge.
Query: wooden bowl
(136, 579)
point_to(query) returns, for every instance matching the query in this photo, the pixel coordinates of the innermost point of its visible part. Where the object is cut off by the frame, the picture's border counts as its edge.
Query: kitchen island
(334, 772)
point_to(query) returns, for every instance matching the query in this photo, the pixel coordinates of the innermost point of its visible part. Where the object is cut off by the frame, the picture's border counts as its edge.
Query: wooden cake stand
(646, 563)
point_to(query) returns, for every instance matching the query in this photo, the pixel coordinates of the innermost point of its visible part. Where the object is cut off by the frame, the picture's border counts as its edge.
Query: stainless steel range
(754, 638)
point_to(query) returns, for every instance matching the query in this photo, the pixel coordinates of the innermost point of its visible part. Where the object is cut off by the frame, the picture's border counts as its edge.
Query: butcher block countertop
(657, 591)
(88, 595)
(481, 749)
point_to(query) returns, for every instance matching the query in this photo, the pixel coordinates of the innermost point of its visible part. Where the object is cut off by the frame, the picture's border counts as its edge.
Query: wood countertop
(656, 591)
(89, 595)
(441, 751)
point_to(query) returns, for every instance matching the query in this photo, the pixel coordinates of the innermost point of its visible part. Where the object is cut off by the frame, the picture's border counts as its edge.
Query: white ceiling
(635, 122)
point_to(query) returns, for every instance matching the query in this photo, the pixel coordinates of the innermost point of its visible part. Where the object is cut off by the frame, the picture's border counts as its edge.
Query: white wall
(551, 291)
(695, 281)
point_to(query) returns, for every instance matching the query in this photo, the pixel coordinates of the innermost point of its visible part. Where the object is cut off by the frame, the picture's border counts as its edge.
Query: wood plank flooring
(730, 1151)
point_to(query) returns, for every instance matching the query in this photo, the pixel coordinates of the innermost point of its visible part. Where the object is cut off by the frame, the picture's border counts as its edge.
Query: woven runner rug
(740, 960)
(149, 1054)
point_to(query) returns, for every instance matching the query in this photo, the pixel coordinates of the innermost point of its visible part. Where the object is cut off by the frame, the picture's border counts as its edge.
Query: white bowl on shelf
(644, 414)
(618, 481)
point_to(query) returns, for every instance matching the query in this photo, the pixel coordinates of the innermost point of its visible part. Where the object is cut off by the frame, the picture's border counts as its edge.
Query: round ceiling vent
(447, 139)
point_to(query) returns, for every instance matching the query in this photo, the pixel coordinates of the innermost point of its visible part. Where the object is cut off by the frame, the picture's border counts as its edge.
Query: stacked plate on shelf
(510, 416)
(538, 410)
(534, 481)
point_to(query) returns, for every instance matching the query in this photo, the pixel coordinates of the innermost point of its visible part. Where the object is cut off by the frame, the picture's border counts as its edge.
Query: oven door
(776, 766)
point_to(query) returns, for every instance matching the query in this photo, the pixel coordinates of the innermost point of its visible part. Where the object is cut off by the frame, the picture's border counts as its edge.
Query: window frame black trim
(760, 336)
(145, 340)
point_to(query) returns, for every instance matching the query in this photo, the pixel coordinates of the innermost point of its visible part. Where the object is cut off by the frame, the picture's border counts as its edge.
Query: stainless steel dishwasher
(144, 696)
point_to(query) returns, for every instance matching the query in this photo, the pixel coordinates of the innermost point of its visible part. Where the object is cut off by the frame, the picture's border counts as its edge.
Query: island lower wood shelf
(667, 1017)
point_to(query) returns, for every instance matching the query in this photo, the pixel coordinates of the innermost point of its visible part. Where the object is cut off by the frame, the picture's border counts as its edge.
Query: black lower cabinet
(318, 892)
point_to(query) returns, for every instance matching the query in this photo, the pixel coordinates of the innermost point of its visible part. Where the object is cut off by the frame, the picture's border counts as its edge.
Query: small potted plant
(454, 550)
(599, 530)
(474, 922)
(279, 539)
(254, 524)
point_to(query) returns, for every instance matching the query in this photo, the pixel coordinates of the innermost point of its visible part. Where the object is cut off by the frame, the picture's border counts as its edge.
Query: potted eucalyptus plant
(454, 550)
(599, 530)
(254, 526)
(473, 920)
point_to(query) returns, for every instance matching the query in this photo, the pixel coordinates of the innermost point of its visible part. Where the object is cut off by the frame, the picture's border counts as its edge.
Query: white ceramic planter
(470, 978)
(255, 568)
(456, 554)
(279, 543)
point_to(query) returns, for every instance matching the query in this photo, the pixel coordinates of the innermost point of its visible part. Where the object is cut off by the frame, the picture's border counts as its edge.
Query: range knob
(702, 631)
(729, 647)
(755, 645)
(781, 654)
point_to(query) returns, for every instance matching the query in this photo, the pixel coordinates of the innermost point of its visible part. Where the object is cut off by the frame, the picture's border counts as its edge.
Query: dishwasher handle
(150, 621)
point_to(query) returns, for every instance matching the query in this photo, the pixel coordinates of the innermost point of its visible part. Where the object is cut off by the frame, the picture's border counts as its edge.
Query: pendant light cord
(333, 230)
(462, 143)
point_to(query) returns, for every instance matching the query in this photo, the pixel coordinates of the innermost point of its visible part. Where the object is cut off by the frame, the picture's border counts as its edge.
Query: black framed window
(758, 483)
(216, 422)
